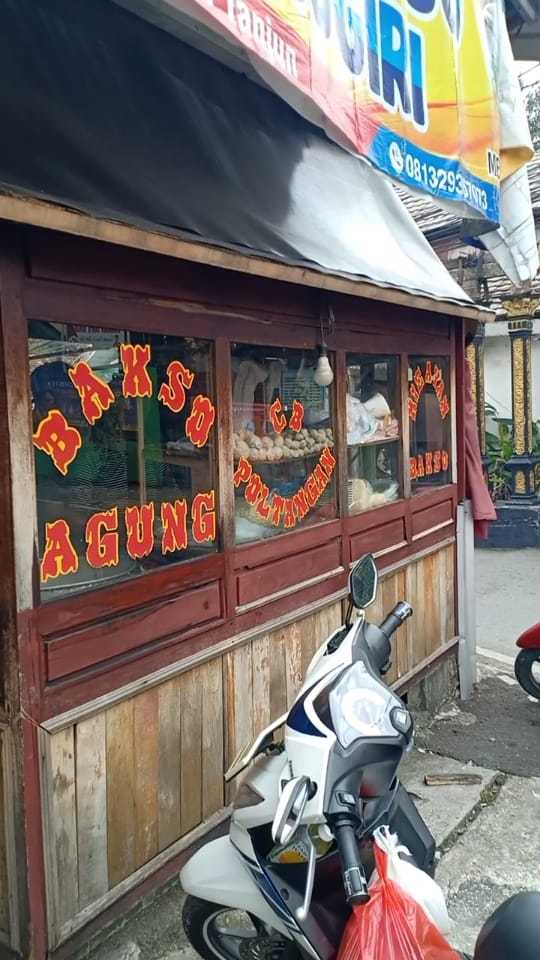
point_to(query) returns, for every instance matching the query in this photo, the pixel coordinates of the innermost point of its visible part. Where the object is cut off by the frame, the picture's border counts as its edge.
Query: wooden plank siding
(4, 879)
(129, 782)
(90, 775)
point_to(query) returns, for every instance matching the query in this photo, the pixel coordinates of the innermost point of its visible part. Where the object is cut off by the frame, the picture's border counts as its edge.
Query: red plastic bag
(392, 926)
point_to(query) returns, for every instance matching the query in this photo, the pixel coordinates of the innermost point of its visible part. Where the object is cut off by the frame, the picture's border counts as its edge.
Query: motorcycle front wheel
(215, 931)
(527, 669)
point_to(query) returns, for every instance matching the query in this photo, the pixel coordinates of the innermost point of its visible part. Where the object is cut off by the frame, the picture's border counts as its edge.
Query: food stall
(183, 505)
(199, 440)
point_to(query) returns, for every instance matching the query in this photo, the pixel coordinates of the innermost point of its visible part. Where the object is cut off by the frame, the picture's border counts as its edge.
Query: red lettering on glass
(61, 442)
(262, 506)
(173, 393)
(297, 417)
(102, 539)
(140, 530)
(439, 390)
(96, 396)
(204, 517)
(242, 472)
(445, 460)
(200, 421)
(312, 493)
(253, 489)
(290, 515)
(135, 358)
(321, 477)
(327, 461)
(59, 556)
(433, 375)
(300, 503)
(174, 523)
(444, 407)
(278, 505)
(277, 417)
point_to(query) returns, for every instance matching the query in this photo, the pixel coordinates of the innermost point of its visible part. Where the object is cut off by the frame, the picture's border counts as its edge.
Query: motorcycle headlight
(361, 706)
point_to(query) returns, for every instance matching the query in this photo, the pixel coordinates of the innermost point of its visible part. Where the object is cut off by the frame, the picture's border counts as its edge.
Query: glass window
(124, 450)
(373, 431)
(430, 422)
(283, 442)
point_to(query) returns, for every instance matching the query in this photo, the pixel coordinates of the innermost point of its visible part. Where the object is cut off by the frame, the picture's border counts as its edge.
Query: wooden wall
(9, 921)
(427, 584)
(124, 789)
(4, 889)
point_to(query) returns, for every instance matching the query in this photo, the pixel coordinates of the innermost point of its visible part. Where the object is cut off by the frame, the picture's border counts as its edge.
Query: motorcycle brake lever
(303, 911)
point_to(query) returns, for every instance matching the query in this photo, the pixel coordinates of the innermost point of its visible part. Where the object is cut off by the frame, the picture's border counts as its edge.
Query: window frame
(238, 546)
(402, 416)
(450, 392)
(69, 622)
(118, 585)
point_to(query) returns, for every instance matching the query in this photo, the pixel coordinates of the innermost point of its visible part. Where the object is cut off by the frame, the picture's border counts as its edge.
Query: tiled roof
(430, 217)
(426, 213)
(476, 272)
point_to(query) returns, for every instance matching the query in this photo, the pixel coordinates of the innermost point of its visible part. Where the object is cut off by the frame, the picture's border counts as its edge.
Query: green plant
(499, 449)
(536, 451)
(536, 437)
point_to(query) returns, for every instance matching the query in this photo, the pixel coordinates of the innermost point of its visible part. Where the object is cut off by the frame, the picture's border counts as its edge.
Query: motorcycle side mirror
(290, 809)
(363, 581)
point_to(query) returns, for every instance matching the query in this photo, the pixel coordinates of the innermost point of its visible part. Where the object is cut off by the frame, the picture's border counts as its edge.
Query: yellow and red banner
(405, 83)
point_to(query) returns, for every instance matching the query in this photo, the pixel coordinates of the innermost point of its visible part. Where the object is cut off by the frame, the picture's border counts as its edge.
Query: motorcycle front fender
(530, 639)
(218, 874)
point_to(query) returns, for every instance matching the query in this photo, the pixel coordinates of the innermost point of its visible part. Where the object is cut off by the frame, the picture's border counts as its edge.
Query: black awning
(106, 113)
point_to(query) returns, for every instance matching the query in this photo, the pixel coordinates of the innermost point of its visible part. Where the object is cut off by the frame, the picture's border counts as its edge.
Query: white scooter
(299, 851)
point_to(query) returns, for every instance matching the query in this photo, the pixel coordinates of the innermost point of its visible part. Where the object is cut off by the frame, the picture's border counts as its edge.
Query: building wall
(128, 786)
(498, 369)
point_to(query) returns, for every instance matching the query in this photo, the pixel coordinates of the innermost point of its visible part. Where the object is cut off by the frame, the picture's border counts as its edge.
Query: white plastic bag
(413, 881)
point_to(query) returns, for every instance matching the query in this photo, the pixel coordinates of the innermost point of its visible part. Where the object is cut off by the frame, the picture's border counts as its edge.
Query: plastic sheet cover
(109, 115)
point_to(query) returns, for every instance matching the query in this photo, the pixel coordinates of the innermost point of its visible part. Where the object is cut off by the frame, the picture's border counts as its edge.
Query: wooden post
(20, 572)
(522, 463)
(475, 356)
(466, 600)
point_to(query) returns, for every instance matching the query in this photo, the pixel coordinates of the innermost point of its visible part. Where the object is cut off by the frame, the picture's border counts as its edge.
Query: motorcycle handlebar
(354, 877)
(401, 612)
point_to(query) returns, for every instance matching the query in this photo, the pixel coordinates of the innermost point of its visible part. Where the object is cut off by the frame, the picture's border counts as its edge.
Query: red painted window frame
(67, 280)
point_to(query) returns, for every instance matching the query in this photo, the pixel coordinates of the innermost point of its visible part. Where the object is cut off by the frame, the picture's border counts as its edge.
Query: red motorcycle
(527, 665)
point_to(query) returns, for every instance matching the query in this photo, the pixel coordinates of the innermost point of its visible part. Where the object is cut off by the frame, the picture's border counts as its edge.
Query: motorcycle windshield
(361, 706)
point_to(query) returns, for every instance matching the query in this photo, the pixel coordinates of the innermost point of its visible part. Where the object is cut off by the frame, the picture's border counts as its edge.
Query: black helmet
(513, 932)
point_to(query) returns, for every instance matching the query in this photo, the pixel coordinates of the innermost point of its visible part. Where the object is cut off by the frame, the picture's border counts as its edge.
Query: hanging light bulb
(324, 374)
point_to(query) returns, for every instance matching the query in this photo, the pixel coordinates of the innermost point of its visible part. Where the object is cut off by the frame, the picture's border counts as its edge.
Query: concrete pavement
(498, 728)
(497, 857)
(508, 596)
(487, 834)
